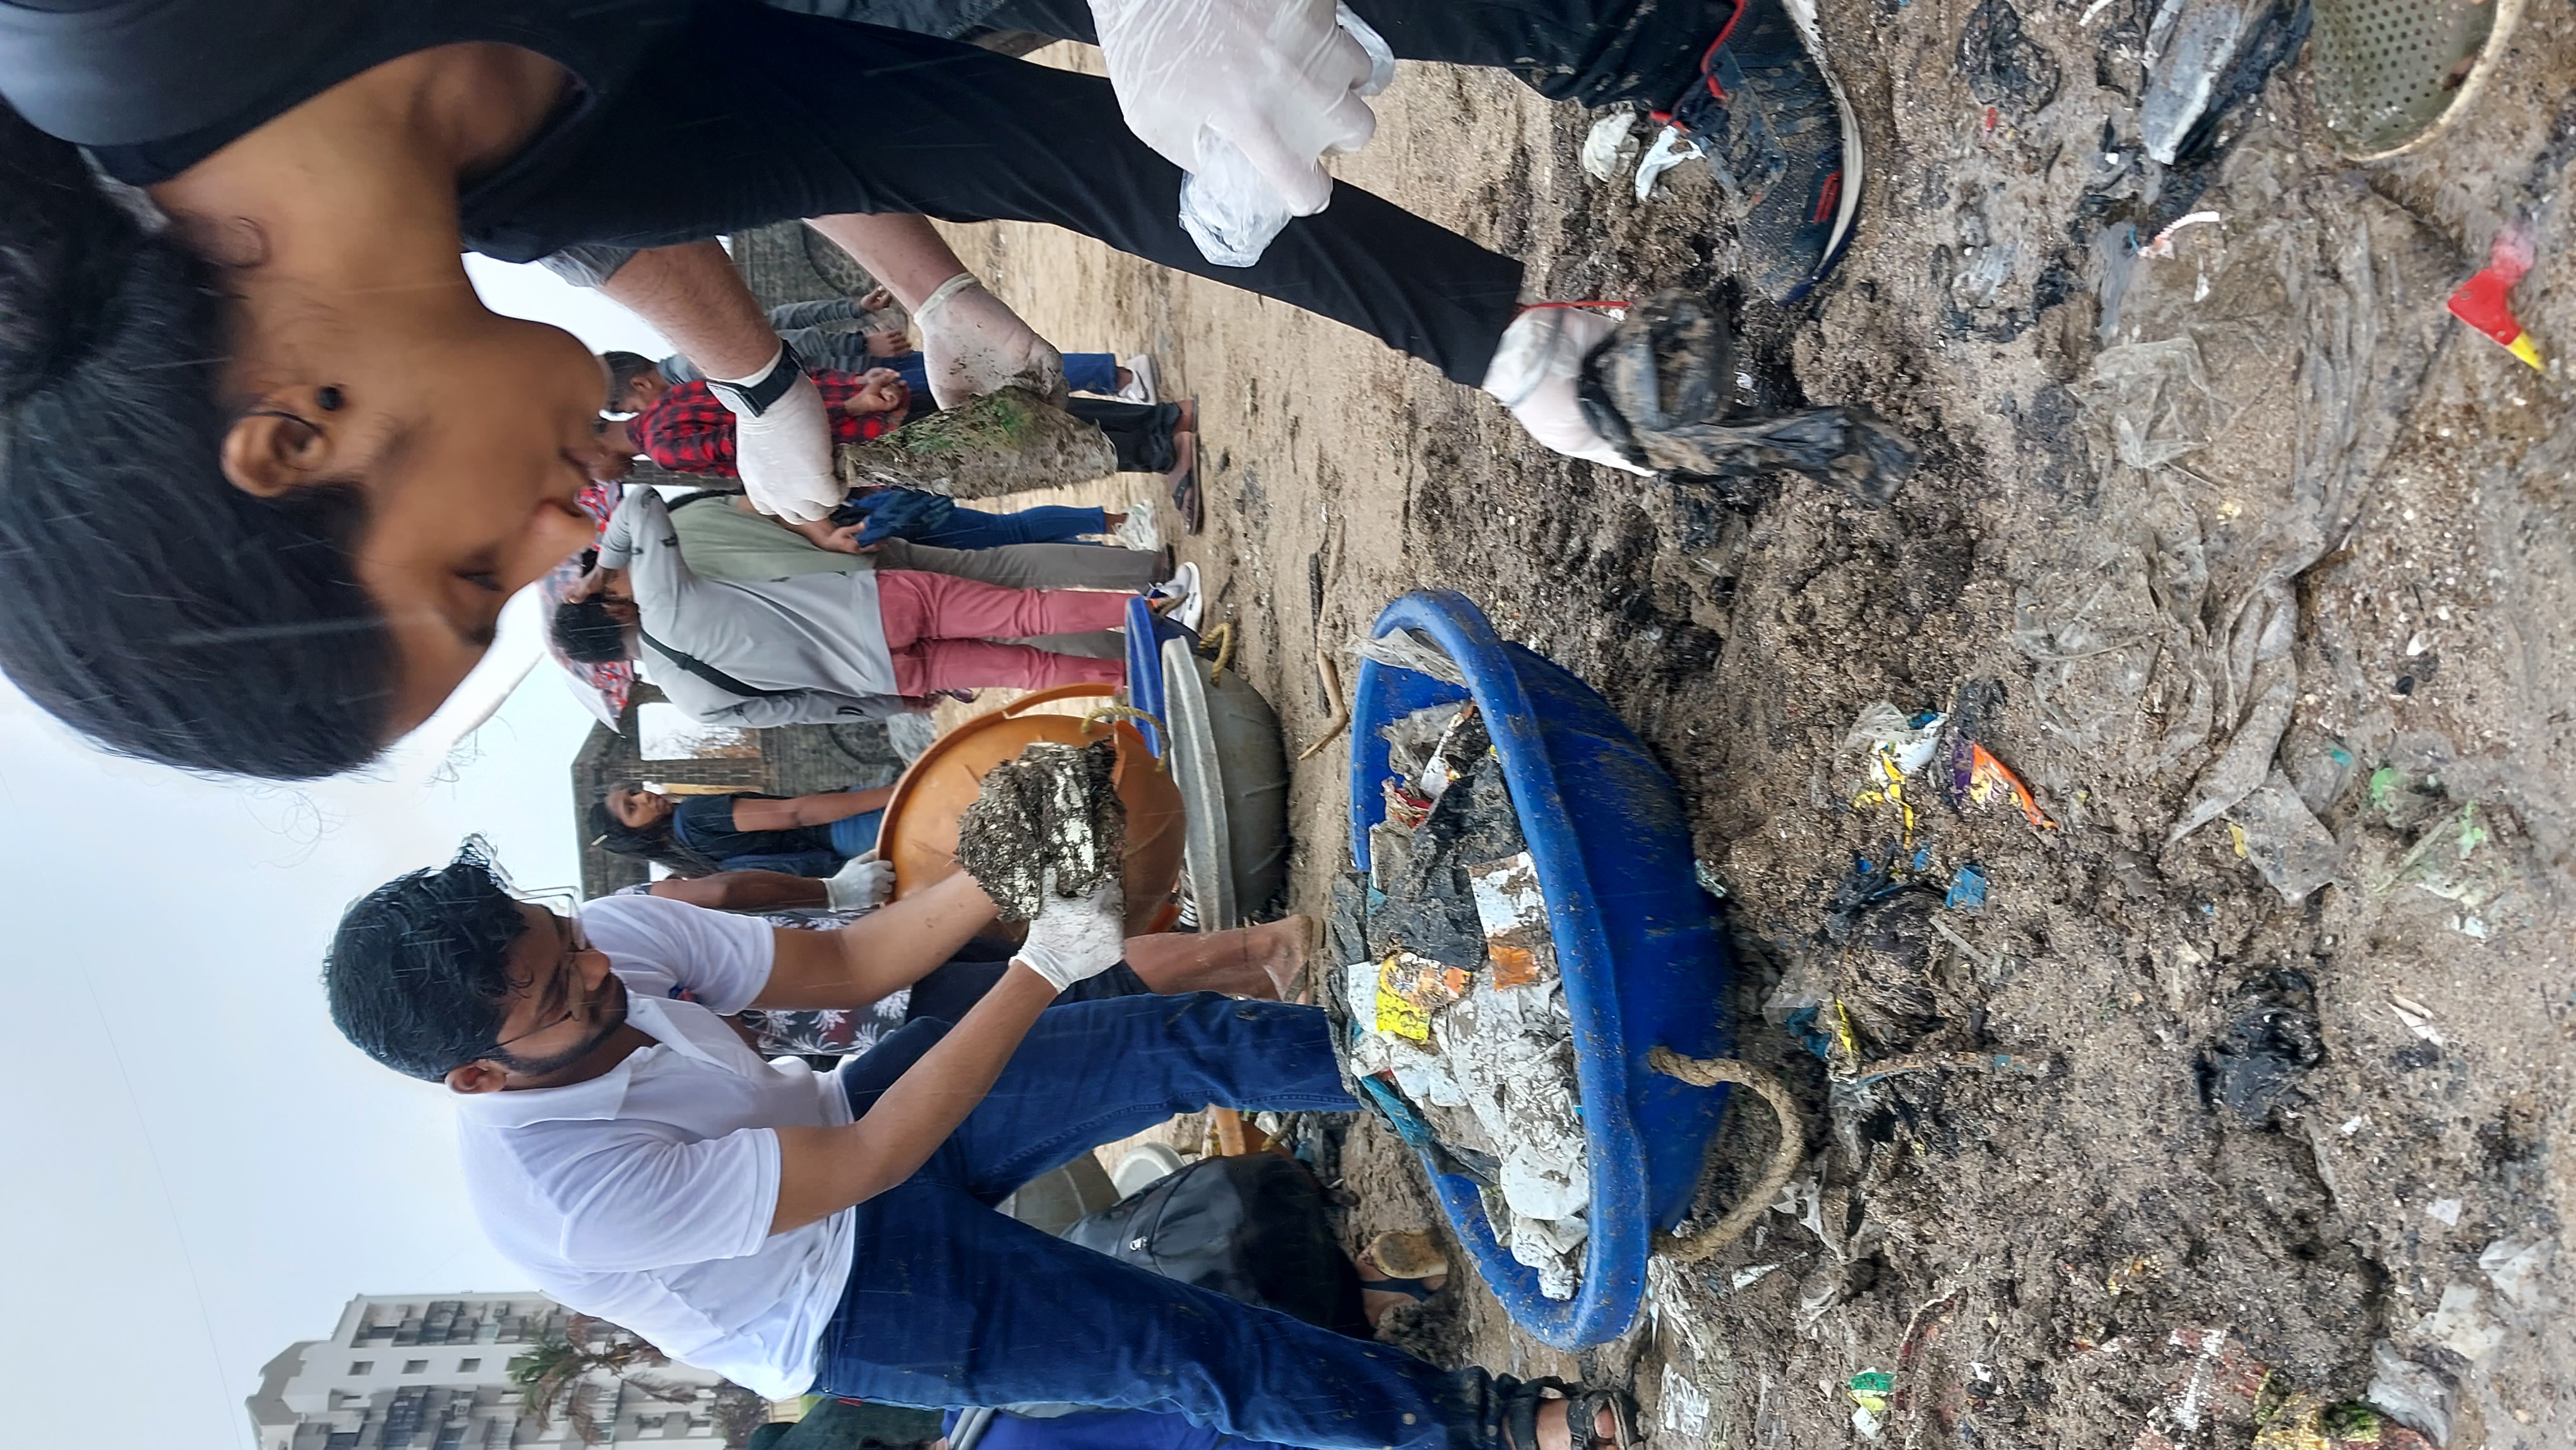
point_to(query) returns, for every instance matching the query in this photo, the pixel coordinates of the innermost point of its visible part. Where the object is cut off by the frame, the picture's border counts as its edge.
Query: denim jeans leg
(1094, 1072)
(952, 1304)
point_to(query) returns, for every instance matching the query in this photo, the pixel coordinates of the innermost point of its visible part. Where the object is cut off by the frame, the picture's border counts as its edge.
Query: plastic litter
(1461, 1033)
(2417, 1018)
(2276, 831)
(1610, 147)
(2252, 1067)
(1989, 777)
(1226, 206)
(1514, 913)
(1658, 391)
(1685, 1405)
(2461, 1324)
(1869, 1390)
(1967, 892)
(1410, 649)
(1897, 746)
(2162, 246)
(2514, 1267)
(1671, 149)
(2409, 1393)
(2483, 302)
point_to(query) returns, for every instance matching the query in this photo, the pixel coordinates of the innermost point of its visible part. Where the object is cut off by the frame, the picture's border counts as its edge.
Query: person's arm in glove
(1279, 78)
(824, 1170)
(695, 297)
(971, 344)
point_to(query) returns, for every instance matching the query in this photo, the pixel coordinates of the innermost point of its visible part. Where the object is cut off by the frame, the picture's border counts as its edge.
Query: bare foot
(1185, 455)
(1188, 422)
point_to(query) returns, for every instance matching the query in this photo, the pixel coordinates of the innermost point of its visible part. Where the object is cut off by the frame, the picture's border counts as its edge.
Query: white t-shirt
(644, 1195)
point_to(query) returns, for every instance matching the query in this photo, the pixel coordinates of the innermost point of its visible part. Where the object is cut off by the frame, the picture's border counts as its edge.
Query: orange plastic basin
(920, 831)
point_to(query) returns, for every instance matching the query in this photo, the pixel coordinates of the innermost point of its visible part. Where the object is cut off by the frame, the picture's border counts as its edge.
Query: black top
(153, 87)
(704, 824)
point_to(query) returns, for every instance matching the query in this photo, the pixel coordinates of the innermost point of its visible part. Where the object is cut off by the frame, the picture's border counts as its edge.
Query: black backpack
(1252, 1227)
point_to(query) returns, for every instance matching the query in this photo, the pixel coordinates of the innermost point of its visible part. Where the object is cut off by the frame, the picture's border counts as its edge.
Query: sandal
(1582, 1415)
(1186, 504)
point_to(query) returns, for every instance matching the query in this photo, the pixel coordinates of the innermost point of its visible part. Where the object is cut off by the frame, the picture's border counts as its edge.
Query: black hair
(152, 605)
(649, 843)
(623, 369)
(419, 971)
(585, 631)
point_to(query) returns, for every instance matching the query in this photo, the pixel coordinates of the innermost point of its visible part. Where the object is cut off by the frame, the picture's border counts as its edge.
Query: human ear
(270, 453)
(477, 1077)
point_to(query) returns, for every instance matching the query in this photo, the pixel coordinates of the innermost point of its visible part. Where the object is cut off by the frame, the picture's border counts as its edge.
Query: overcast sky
(202, 1170)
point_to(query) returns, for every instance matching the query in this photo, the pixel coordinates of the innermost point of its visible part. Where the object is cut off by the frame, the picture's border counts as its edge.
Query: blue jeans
(1045, 524)
(856, 835)
(951, 1304)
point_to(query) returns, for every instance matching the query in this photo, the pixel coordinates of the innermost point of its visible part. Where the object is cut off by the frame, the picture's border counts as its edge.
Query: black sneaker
(1780, 138)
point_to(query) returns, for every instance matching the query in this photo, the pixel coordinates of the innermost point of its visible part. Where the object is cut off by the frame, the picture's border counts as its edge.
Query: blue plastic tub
(1636, 938)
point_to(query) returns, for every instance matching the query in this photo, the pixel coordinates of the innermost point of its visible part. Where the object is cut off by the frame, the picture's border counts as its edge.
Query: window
(468, 1366)
(362, 1366)
(415, 1366)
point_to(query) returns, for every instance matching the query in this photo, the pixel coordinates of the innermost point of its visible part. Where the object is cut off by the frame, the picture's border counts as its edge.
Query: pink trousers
(942, 630)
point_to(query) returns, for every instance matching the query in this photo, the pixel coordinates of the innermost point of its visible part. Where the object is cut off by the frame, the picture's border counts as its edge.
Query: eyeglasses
(565, 997)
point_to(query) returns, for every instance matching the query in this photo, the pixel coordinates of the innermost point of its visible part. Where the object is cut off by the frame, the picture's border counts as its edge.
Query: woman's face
(638, 808)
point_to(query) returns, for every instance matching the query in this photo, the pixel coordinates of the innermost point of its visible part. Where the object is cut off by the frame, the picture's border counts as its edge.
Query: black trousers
(748, 115)
(1140, 432)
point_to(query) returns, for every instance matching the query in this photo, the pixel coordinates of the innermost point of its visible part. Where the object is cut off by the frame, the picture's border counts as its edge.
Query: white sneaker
(1144, 380)
(1183, 586)
(1138, 532)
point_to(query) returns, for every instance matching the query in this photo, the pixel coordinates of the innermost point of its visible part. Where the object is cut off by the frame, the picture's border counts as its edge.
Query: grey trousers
(1032, 566)
(1040, 566)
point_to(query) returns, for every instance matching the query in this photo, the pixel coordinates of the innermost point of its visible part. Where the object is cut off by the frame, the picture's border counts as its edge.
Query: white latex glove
(1535, 372)
(971, 344)
(862, 884)
(1278, 78)
(785, 454)
(1074, 938)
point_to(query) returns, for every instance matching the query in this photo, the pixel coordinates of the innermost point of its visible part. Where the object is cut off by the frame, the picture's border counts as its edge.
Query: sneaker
(1182, 587)
(1138, 532)
(1780, 138)
(1144, 379)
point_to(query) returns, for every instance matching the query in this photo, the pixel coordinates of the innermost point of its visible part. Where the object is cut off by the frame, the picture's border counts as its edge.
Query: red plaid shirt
(687, 430)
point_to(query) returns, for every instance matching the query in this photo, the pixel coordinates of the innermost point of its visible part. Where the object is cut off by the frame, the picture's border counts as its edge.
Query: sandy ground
(2330, 502)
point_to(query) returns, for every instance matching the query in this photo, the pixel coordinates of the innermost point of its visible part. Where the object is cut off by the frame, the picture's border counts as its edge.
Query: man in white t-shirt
(835, 1232)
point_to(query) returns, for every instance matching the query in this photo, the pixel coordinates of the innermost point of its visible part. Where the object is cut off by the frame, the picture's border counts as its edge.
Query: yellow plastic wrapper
(1410, 989)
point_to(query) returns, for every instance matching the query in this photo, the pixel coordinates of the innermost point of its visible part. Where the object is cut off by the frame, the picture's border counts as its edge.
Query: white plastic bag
(1225, 205)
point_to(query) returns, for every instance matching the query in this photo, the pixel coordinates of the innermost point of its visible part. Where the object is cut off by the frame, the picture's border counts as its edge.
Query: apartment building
(417, 1372)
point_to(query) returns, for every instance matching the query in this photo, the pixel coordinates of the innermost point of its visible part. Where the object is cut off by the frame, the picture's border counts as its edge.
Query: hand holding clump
(1076, 936)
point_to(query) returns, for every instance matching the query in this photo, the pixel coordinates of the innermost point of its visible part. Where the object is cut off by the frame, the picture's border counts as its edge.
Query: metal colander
(2388, 71)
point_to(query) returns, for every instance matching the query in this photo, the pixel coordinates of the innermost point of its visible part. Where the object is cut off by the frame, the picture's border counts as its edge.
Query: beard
(613, 1017)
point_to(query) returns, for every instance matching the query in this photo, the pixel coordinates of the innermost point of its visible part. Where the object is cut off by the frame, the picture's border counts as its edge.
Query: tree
(555, 1374)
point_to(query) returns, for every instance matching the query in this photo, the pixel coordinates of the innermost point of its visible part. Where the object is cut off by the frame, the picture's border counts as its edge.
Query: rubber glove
(785, 455)
(1076, 937)
(1536, 370)
(862, 884)
(971, 345)
(1278, 78)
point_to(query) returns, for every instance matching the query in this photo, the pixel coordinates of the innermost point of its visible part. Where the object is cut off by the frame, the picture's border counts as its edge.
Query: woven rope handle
(1709, 1072)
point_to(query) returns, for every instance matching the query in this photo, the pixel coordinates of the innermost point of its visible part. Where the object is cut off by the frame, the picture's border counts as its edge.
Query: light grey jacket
(818, 637)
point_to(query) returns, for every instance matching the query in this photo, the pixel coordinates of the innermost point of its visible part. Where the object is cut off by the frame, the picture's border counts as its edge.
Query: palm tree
(555, 1374)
